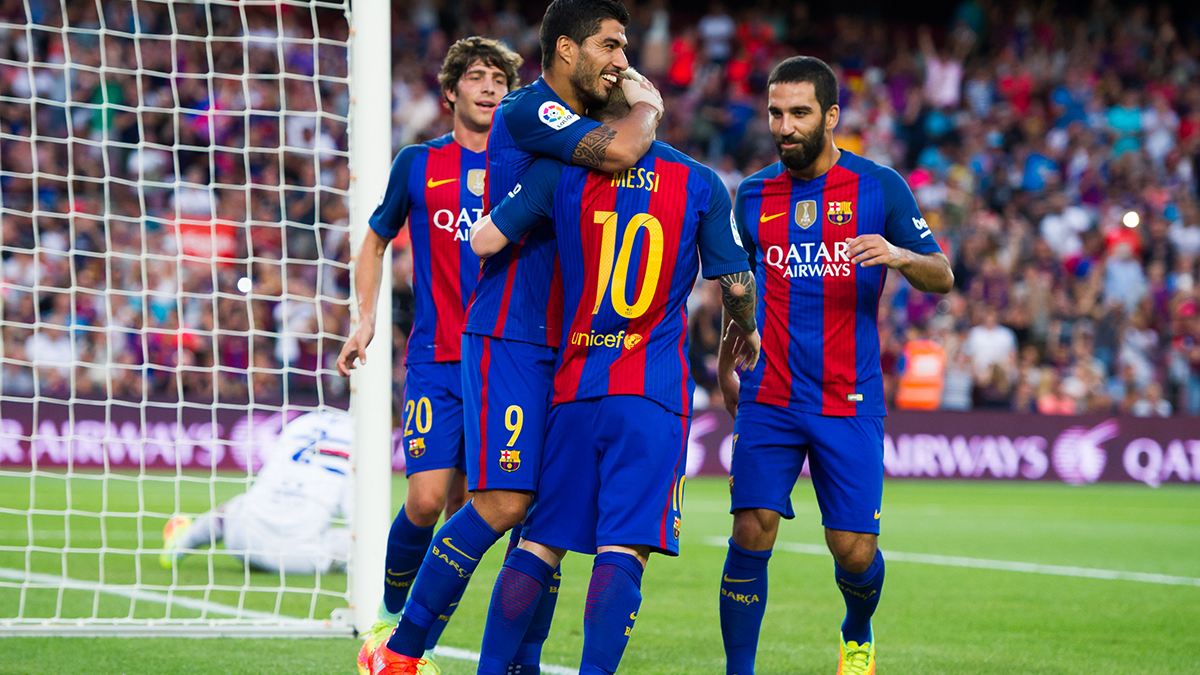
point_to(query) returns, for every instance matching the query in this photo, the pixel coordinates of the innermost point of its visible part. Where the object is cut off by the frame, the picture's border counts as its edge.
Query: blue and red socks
(743, 601)
(861, 592)
(527, 660)
(613, 599)
(515, 599)
(448, 566)
(443, 620)
(406, 547)
(514, 538)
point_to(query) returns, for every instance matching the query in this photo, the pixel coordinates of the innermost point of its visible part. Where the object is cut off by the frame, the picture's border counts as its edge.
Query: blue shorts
(507, 386)
(845, 457)
(433, 417)
(614, 478)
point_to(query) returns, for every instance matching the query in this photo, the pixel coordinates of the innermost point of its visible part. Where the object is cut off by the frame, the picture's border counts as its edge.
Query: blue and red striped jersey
(441, 188)
(519, 296)
(816, 311)
(630, 245)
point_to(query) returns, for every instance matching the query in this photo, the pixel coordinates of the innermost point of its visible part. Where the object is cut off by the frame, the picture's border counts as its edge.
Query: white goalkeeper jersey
(307, 482)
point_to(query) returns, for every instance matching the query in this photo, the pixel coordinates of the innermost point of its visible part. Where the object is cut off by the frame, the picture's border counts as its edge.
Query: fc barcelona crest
(416, 447)
(677, 524)
(510, 460)
(477, 181)
(840, 213)
(806, 213)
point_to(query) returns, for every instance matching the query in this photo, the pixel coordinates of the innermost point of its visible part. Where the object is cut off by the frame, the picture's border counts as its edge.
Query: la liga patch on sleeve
(556, 116)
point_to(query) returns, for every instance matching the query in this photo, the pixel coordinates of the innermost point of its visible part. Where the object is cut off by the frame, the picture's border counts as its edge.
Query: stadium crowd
(1053, 155)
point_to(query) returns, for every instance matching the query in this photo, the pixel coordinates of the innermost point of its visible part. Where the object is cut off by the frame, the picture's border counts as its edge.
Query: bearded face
(803, 148)
(586, 79)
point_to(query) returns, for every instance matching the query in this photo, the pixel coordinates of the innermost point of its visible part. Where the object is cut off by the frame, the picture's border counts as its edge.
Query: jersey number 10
(619, 274)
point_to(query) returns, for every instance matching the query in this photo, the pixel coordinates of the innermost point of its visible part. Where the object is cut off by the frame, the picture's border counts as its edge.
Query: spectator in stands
(1026, 135)
(990, 344)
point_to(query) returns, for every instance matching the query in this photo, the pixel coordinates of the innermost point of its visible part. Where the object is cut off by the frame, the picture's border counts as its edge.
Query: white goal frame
(369, 132)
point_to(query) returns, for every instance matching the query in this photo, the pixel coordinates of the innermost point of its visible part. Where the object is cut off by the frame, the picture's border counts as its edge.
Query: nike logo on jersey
(633, 616)
(763, 219)
(446, 541)
(877, 514)
(557, 575)
(434, 183)
(737, 581)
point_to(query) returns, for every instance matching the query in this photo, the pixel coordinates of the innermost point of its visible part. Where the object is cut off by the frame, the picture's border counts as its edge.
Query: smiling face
(799, 128)
(598, 63)
(477, 93)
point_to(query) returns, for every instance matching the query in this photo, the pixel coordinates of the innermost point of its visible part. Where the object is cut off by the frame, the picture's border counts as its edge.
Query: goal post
(371, 388)
(182, 185)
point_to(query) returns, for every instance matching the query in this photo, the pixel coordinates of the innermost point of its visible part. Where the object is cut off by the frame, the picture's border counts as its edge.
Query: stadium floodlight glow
(1131, 219)
(244, 284)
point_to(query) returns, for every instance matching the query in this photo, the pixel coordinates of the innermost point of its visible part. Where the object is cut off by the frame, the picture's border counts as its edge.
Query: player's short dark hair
(578, 20)
(469, 50)
(812, 70)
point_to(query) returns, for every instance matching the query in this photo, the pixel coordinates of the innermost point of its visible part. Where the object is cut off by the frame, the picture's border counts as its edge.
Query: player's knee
(424, 509)
(502, 510)
(755, 529)
(853, 551)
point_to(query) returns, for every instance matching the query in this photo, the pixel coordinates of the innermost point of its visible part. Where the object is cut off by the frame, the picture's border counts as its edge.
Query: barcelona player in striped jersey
(823, 226)
(440, 188)
(511, 331)
(630, 244)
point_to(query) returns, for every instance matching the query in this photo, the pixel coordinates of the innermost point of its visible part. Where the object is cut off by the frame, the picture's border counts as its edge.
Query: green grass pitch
(933, 619)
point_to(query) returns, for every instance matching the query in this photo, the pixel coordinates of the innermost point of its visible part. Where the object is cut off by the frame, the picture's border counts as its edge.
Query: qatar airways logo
(811, 260)
(443, 219)
(1078, 455)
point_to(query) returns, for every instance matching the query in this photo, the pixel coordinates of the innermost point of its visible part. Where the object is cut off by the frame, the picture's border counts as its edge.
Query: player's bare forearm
(727, 378)
(926, 272)
(368, 273)
(738, 297)
(619, 144)
(486, 239)
(930, 273)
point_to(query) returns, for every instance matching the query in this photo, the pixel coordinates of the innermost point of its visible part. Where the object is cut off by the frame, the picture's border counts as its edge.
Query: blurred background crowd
(1052, 150)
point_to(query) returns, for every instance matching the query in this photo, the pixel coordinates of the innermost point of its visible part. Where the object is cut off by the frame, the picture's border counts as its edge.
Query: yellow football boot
(171, 532)
(857, 659)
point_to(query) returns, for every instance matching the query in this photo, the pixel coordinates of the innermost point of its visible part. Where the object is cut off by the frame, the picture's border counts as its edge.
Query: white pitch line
(466, 655)
(52, 581)
(49, 580)
(983, 563)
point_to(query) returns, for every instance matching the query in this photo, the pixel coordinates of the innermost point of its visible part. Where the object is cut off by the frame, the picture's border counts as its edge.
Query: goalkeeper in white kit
(284, 522)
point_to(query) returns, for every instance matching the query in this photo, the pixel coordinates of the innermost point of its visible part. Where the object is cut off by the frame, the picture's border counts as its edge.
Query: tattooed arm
(739, 297)
(619, 144)
(741, 343)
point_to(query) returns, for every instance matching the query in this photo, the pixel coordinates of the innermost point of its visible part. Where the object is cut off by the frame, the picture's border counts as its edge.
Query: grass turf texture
(932, 619)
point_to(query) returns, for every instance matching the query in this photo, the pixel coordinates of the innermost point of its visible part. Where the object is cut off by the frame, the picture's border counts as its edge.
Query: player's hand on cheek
(869, 250)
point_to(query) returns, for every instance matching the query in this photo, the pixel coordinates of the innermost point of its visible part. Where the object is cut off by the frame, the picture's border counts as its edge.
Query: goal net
(175, 195)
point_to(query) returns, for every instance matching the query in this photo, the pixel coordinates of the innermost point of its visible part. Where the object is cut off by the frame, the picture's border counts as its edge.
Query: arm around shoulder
(619, 144)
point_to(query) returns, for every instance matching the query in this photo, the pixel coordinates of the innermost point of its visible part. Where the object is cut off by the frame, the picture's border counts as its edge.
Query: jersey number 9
(619, 273)
(514, 419)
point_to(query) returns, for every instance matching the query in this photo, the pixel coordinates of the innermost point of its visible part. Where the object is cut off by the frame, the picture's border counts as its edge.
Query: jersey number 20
(619, 274)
